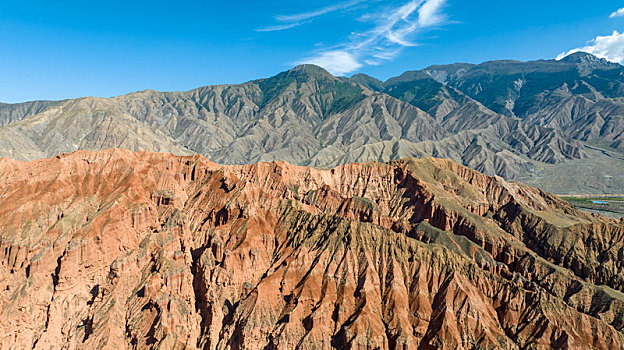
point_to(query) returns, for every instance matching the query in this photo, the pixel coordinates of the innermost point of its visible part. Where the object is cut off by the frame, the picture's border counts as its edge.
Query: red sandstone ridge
(115, 250)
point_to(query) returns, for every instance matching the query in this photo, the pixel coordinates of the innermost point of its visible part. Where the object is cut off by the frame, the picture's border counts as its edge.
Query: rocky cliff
(114, 250)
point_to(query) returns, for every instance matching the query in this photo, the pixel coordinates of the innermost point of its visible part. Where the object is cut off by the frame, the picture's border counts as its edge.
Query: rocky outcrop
(114, 249)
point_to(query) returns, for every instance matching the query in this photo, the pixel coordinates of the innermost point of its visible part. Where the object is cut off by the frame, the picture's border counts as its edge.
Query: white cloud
(391, 32)
(317, 12)
(291, 21)
(618, 13)
(430, 14)
(336, 62)
(610, 47)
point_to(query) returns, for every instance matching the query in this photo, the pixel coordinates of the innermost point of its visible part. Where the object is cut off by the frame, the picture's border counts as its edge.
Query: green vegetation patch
(612, 204)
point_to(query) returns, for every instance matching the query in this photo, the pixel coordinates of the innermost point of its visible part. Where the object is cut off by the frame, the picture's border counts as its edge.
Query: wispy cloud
(278, 27)
(291, 21)
(610, 47)
(618, 13)
(392, 31)
(318, 12)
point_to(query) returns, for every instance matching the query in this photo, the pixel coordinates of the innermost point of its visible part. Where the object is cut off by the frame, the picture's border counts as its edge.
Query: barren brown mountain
(116, 250)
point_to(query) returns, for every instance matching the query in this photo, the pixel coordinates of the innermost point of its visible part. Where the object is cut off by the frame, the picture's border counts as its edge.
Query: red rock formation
(114, 249)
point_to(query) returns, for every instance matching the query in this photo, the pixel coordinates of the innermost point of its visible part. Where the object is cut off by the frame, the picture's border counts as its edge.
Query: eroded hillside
(114, 249)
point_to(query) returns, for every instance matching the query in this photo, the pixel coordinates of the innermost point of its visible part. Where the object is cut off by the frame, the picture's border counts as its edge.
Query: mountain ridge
(307, 116)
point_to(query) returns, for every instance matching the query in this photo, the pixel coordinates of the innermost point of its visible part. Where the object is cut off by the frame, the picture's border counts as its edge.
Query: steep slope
(285, 117)
(477, 131)
(577, 97)
(441, 73)
(508, 148)
(368, 81)
(114, 250)
(10, 113)
(545, 92)
(515, 119)
(89, 123)
(596, 120)
(427, 94)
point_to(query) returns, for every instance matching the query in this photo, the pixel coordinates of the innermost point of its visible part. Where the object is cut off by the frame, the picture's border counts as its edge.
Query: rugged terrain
(114, 250)
(558, 125)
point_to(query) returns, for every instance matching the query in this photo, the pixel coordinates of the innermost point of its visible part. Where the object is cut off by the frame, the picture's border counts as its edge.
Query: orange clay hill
(117, 250)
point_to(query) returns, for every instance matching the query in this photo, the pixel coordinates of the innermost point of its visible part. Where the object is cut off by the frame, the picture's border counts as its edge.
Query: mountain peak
(584, 57)
(310, 70)
(368, 81)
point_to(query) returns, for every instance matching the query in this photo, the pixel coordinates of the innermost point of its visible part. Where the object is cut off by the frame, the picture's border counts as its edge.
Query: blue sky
(67, 49)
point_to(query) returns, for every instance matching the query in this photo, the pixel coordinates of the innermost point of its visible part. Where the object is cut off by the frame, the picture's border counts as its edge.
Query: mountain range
(555, 124)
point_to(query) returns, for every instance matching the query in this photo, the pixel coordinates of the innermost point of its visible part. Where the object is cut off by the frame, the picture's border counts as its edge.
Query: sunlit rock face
(115, 250)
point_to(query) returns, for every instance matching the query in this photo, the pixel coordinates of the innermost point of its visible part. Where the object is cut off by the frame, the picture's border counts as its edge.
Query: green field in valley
(611, 206)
